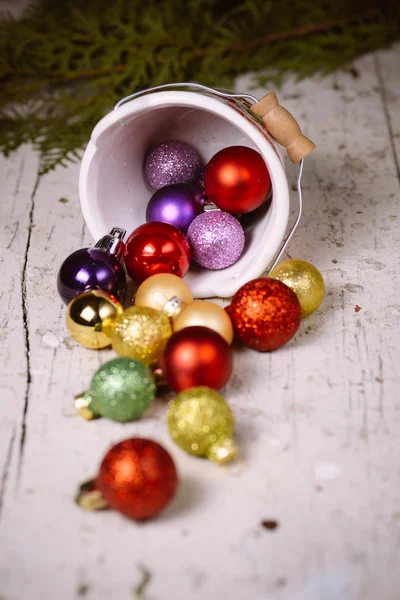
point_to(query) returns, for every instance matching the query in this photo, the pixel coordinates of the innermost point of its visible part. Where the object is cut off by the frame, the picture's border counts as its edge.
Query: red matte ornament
(237, 179)
(137, 478)
(265, 313)
(156, 248)
(196, 356)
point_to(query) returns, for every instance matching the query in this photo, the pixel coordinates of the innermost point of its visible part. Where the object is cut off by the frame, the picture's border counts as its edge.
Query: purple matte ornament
(175, 204)
(172, 161)
(217, 239)
(96, 268)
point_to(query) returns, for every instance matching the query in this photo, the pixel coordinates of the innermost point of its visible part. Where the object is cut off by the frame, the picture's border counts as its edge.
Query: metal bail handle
(267, 104)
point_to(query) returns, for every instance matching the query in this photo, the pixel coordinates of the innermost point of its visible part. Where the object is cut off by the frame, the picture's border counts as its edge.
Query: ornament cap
(89, 497)
(82, 404)
(174, 307)
(112, 243)
(223, 451)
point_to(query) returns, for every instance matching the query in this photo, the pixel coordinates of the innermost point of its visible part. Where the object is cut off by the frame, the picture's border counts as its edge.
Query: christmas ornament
(305, 280)
(156, 248)
(176, 204)
(237, 179)
(206, 314)
(90, 318)
(265, 314)
(97, 268)
(196, 356)
(171, 162)
(217, 239)
(202, 424)
(122, 389)
(156, 291)
(137, 477)
(141, 333)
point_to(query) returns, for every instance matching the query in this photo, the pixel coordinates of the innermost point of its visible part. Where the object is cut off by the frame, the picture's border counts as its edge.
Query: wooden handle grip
(283, 127)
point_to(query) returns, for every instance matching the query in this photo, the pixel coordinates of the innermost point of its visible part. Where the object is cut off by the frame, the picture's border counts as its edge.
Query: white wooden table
(318, 421)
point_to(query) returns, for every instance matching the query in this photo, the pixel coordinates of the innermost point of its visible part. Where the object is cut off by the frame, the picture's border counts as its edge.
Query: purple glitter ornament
(217, 239)
(175, 204)
(171, 162)
(96, 268)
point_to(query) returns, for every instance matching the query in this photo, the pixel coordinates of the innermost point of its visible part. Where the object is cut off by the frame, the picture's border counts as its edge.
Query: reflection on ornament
(172, 161)
(217, 239)
(265, 314)
(138, 478)
(90, 318)
(305, 280)
(157, 290)
(121, 390)
(155, 248)
(237, 179)
(141, 333)
(202, 424)
(206, 314)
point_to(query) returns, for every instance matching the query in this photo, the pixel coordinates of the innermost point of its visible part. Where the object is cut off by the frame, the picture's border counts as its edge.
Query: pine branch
(64, 65)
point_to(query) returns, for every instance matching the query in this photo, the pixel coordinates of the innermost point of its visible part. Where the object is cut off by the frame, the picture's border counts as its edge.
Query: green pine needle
(64, 65)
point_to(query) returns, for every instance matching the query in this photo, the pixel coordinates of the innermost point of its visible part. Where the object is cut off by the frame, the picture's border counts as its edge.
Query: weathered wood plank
(318, 421)
(18, 177)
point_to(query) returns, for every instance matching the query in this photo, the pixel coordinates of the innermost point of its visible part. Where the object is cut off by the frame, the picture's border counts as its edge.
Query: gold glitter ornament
(305, 280)
(202, 424)
(141, 333)
(90, 318)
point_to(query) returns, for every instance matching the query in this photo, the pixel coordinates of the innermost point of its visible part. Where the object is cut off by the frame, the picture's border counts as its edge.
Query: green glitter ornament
(202, 424)
(121, 390)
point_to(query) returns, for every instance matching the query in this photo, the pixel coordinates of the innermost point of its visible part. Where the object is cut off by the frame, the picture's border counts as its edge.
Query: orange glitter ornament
(138, 478)
(265, 313)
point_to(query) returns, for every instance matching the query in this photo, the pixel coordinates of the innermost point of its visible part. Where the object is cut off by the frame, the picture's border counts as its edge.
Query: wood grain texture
(318, 421)
(283, 127)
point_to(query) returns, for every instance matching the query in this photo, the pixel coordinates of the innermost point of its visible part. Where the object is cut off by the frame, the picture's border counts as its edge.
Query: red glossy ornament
(196, 356)
(138, 478)
(156, 248)
(265, 313)
(237, 179)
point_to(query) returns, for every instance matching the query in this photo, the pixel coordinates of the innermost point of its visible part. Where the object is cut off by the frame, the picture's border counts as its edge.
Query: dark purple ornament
(97, 268)
(177, 205)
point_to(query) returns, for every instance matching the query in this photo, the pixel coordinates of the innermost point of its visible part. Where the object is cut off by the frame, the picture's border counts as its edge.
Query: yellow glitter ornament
(141, 333)
(91, 317)
(202, 424)
(305, 280)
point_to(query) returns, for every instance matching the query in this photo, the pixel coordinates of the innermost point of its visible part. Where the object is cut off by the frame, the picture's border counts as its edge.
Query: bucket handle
(183, 86)
(286, 131)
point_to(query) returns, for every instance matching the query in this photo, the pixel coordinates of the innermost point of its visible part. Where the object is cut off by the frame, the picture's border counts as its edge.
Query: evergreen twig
(64, 65)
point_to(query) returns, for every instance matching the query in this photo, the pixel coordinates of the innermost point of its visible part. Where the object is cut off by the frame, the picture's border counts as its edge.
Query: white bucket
(113, 192)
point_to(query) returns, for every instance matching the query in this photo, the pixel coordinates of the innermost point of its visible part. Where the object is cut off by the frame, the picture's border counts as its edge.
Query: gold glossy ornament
(305, 280)
(206, 314)
(202, 424)
(156, 291)
(90, 318)
(141, 333)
